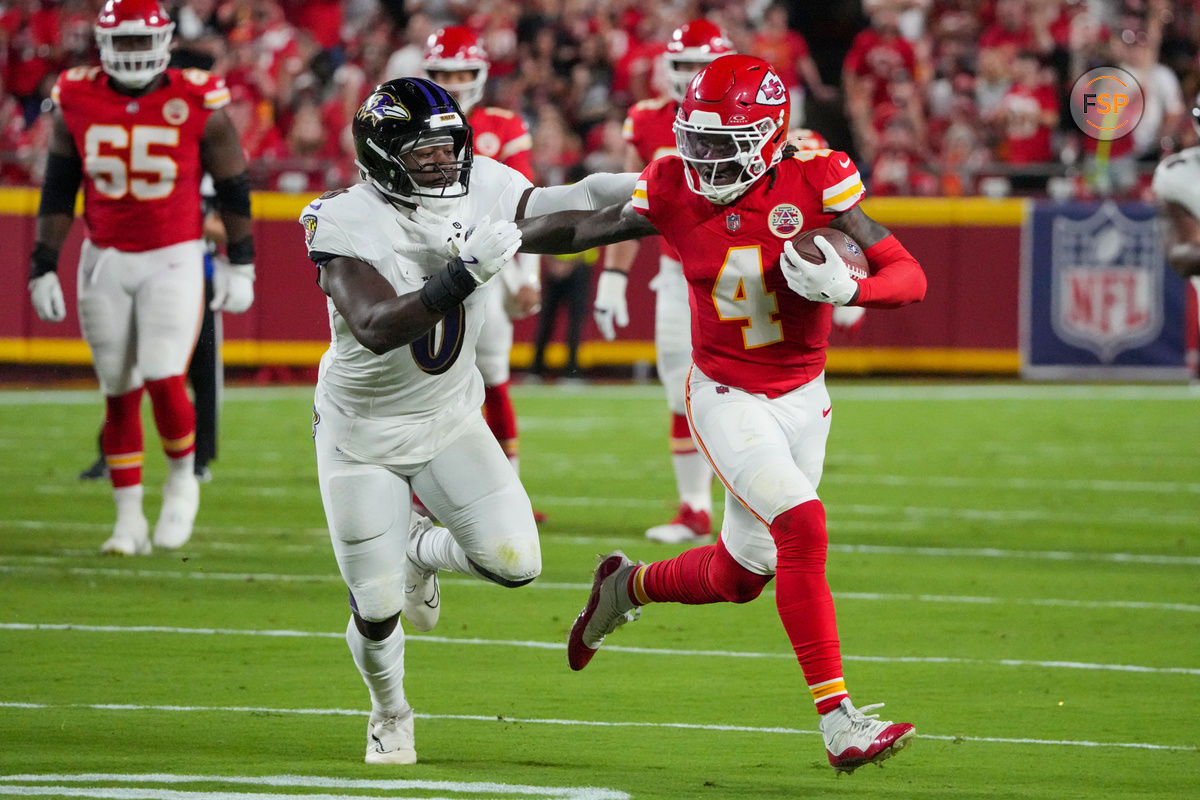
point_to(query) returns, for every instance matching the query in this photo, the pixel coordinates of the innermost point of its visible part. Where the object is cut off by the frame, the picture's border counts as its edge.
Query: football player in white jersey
(1177, 186)
(405, 258)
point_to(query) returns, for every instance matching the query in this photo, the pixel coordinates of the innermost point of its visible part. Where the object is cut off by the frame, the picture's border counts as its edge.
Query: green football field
(1016, 568)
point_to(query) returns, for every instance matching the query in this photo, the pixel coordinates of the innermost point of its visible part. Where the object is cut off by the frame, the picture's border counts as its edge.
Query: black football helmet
(403, 115)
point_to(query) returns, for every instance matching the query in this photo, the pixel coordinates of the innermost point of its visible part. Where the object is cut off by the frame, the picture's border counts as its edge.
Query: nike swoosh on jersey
(845, 162)
(825, 411)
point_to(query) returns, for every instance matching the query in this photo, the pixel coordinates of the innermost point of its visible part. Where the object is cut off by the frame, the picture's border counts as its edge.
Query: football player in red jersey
(138, 137)
(730, 204)
(649, 135)
(455, 60)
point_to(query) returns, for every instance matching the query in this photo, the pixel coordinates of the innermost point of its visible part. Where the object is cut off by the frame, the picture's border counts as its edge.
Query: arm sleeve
(596, 191)
(896, 277)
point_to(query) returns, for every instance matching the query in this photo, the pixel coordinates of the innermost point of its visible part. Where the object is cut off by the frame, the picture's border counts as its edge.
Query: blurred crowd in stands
(931, 97)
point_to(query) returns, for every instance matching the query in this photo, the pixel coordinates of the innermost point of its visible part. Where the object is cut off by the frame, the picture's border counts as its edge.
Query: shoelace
(860, 720)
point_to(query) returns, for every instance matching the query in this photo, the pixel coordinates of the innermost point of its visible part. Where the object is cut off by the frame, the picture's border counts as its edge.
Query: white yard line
(539, 645)
(43, 564)
(49, 785)
(492, 718)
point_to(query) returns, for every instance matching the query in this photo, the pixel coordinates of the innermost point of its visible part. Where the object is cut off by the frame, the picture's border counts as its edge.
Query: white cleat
(130, 537)
(854, 738)
(422, 596)
(181, 500)
(390, 739)
(688, 527)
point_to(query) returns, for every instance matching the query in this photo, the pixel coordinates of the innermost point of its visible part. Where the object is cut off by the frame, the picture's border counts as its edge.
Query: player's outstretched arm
(1182, 239)
(576, 231)
(896, 277)
(56, 213)
(596, 191)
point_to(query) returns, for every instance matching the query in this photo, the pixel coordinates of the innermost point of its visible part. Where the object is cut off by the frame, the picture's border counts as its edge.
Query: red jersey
(502, 135)
(649, 128)
(783, 51)
(141, 155)
(749, 329)
(1027, 139)
(880, 57)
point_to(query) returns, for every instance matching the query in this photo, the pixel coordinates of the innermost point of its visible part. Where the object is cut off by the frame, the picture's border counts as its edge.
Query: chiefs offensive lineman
(456, 60)
(138, 137)
(730, 204)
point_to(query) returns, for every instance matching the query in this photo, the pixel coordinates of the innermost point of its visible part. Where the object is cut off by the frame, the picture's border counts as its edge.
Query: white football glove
(826, 282)
(233, 286)
(430, 234)
(46, 293)
(610, 309)
(847, 316)
(489, 246)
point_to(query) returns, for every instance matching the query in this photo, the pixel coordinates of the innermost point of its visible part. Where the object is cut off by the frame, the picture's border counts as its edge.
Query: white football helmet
(142, 24)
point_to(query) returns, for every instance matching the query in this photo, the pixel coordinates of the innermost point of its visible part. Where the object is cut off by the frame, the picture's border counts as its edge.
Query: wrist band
(43, 260)
(448, 287)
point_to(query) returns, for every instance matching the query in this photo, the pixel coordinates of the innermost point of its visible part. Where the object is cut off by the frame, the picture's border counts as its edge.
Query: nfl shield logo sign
(1106, 292)
(733, 222)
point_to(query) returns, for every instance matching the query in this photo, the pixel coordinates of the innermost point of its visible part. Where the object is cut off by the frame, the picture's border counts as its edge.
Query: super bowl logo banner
(1099, 296)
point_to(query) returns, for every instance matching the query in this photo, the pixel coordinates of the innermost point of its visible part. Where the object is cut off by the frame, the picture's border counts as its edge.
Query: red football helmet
(732, 126)
(146, 31)
(693, 46)
(457, 49)
(807, 139)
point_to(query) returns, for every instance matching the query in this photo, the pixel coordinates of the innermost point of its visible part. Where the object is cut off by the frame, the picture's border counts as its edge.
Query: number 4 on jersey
(740, 292)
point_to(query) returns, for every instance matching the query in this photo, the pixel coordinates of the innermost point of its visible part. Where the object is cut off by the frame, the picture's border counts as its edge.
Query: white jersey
(1177, 180)
(406, 403)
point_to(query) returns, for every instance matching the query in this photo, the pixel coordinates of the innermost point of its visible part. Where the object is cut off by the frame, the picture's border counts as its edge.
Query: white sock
(129, 502)
(693, 479)
(181, 470)
(438, 550)
(382, 667)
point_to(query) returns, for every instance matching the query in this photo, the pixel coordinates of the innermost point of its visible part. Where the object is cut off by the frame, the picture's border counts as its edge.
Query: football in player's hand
(847, 248)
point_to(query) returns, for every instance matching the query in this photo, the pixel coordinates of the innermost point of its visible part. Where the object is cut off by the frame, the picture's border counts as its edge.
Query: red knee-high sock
(705, 574)
(804, 601)
(501, 417)
(681, 435)
(121, 438)
(174, 415)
